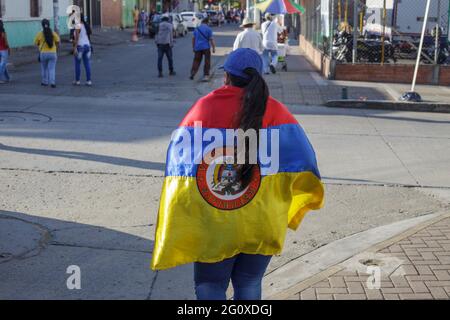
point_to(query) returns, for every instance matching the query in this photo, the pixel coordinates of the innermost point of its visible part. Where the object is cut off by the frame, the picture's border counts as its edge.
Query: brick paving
(421, 271)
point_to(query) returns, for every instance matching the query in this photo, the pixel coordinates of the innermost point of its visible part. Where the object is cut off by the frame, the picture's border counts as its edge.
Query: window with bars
(35, 8)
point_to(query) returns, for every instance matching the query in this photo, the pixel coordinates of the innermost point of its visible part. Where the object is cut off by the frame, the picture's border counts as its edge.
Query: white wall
(410, 11)
(20, 9)
(183, 6)
(63, 4)
(413, 9)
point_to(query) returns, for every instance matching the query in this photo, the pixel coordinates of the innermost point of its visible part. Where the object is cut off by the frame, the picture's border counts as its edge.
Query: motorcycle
(429, 50)
(443, 55)
(369, 49)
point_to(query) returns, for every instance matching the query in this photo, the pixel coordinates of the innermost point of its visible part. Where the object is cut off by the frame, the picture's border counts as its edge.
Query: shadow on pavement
(125, 162)
(35, 253)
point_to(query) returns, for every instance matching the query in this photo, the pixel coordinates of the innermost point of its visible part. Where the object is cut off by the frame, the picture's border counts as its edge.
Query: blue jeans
(141, 25)
(269, 57)
(48, 67)
(245, 271)
(4, 75)
(84, 53)
(165, 49)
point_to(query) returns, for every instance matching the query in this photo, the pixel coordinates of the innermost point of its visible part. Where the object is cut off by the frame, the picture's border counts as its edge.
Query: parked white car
(180, 27)
(192, 19)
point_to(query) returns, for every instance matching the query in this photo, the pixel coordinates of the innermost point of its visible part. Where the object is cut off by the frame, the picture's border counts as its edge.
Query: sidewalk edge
(337, 267)
(437, 107)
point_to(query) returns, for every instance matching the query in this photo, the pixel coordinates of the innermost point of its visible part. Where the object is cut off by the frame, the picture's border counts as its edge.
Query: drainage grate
(370, 262)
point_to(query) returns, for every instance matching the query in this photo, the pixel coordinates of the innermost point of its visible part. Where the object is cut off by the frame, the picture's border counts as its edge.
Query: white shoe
(76, 83)
(89, 83)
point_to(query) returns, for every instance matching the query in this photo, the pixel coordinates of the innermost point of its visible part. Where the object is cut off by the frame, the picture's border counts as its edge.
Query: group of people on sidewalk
(202, 44)
(264, 43)
(48, 42)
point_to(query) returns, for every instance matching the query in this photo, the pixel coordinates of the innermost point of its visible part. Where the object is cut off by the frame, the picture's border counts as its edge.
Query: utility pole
(331, 35)
(438, 26)
(56, 15)
(412, 95)
(383, 34)
(247, 9)
(355, 30)
(419, 52)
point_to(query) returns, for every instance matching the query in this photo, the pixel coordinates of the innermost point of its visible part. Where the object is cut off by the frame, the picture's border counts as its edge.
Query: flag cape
(199, 224)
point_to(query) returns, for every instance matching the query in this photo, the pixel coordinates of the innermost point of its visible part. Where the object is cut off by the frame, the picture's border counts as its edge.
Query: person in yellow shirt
(135, 18)
(47, 41)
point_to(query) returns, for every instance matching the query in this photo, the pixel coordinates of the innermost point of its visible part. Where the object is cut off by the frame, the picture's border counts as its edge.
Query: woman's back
(220, 108)
(83, 38)
(239, 171)
(42, 43)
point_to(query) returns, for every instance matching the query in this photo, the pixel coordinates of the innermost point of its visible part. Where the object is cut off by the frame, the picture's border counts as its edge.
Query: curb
(390, 105)
(338, 267)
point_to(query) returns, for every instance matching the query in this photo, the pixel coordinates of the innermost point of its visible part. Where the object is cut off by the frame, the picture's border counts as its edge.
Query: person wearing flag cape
(240, 171)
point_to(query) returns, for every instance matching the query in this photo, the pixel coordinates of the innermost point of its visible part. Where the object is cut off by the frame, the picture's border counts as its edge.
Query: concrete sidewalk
(302, 84)
(414, 264)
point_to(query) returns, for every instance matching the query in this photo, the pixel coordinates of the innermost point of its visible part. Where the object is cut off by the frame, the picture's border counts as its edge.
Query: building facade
(111, 13)
(22, 19)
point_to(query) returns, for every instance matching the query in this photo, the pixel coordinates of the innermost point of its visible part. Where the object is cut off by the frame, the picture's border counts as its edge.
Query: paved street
(81, 171)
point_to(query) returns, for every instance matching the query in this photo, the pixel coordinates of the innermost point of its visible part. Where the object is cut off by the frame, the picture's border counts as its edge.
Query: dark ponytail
(86, 26)
(48, 33)
(2, 28)
(254, 103)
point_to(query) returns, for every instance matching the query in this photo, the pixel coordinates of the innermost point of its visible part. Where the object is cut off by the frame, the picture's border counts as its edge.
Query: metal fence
(377, 31)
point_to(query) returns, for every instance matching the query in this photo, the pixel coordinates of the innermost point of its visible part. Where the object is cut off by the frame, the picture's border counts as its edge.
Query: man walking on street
(249, 38)
(143, 20)
(269, 31)
(202, 43)
(164, 42)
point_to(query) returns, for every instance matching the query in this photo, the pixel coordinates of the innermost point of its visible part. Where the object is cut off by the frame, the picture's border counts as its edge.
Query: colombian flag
(204, 216)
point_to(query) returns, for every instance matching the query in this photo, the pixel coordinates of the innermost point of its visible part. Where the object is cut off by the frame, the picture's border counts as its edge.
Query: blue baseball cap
(241, 59)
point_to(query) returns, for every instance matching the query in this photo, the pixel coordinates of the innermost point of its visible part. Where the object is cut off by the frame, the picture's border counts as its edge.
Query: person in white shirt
(269, 31)
(249, 38)
(82, 51)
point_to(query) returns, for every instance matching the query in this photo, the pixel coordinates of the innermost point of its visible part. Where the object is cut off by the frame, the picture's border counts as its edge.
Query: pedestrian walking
(135, 18)
(47, 41)
(229, 218)
(82, 51)
(202, 43)
(164, 42)
(5, 52)
(249, 38)
(143, 20)
(228, 17)
(269, 31)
